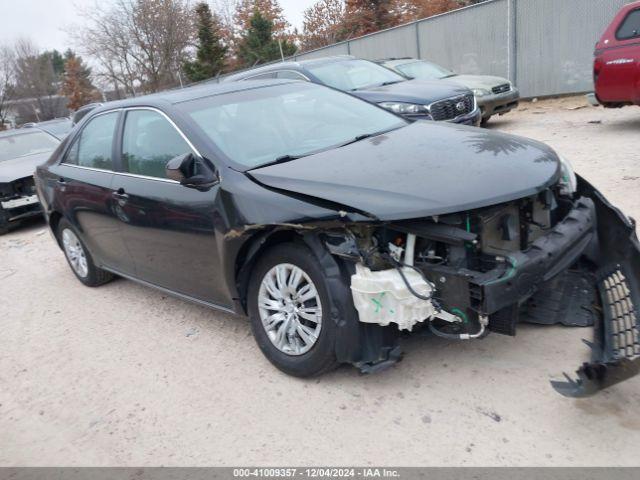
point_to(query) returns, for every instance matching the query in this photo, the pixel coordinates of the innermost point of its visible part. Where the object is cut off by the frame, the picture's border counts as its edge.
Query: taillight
(597, 67)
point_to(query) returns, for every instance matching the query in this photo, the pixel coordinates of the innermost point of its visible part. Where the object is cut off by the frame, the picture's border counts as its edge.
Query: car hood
(21, 167)
(412, 91)
(423, 169)
(478, 81)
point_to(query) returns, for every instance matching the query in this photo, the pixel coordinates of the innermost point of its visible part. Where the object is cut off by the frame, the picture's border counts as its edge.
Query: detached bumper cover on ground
(615, 346)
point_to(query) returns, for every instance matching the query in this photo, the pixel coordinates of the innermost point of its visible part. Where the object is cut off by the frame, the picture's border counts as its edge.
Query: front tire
(79, 258)
(4, 221)
(485, 121)
(289, 311)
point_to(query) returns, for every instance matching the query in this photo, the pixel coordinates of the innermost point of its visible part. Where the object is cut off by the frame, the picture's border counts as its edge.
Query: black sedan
(335, 224)
(414, 99)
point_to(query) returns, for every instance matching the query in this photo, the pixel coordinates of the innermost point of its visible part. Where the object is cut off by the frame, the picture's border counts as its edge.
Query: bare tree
(37, 81)
(324, 24)
(7, 75)
(139, 45)
(225, 11)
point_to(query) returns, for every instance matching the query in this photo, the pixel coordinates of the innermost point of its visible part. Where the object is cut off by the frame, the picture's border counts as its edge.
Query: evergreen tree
(56, 61)
(270, 9)
(211, 52)
(258, 45)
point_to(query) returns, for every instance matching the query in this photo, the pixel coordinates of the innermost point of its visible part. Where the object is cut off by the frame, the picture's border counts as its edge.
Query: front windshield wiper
(449, 76)
(391, 82)
(280, 159)
(376, 85)
(358, 138)
(369, 135)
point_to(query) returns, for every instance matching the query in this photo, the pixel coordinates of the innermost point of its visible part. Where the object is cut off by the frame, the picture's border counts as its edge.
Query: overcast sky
(43, 20)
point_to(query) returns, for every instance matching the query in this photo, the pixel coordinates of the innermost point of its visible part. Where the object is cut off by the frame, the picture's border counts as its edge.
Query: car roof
(202, 90)
(334, 59)
(298, 65)
(263, 69)
(392, 62)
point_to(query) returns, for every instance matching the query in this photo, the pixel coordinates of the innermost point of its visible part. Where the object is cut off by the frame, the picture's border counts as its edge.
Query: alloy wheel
(290, 309)
(75, 253)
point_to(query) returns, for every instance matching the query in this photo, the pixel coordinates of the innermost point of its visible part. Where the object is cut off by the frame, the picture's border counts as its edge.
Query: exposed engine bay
(538, 259)
(18, 200)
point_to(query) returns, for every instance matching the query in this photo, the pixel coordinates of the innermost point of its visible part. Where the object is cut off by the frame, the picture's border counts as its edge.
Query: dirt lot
(123, 375)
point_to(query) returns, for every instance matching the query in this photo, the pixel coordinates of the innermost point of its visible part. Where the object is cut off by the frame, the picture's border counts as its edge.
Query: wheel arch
(249, 254)
(54, 221)
(363, 345)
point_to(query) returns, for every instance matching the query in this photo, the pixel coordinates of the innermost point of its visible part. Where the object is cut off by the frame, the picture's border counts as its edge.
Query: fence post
(417, 24)
(512, 61)
(348, 47)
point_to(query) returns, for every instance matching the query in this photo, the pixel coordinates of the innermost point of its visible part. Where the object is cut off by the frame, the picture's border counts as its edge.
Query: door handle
(62, 183)
(120, 193)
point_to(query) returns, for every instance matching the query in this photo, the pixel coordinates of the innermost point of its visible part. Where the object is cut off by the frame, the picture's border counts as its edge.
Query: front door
(168, 228)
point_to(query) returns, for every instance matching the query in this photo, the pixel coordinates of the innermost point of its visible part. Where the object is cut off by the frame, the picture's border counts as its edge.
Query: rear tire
(79, 258)
(289, 310)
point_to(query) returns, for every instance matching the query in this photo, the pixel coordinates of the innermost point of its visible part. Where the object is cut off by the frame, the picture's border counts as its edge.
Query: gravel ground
(124, 375)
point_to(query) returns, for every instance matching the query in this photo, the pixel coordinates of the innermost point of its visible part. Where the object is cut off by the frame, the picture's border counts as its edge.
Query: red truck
(616, 68)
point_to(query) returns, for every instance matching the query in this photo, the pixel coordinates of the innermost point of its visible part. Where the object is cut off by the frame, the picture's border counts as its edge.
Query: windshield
(23, 144)
(354, 74)
(424, 71)
(258, 126)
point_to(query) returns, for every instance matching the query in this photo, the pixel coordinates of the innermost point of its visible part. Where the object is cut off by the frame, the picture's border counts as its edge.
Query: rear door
(83, 184)
(168, 228)
(618, 59)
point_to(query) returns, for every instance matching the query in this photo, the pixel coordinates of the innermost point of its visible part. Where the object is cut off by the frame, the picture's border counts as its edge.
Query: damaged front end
(18, 201)
(551, 258)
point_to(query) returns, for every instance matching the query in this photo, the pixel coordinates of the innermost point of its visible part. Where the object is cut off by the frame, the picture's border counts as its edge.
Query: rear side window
(291, 75)
(630, 27)
(149, 141)
(262, 76)
(94, 145)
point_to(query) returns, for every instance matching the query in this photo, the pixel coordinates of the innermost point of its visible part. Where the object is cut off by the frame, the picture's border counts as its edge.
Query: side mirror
(191, 172)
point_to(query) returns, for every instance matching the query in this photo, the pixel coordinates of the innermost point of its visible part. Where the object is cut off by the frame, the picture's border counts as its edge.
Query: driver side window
(149, 141)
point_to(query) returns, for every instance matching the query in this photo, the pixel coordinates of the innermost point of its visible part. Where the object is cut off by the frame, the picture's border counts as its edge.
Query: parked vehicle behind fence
(335, 225)
(616, 69)
(416, 99)
(21, 151)
(495, 95)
